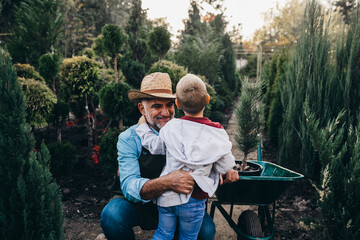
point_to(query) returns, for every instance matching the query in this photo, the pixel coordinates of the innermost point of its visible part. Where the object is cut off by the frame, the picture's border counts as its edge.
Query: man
(140, 171)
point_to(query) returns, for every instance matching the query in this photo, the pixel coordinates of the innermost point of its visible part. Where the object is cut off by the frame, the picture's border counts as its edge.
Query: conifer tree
(37, 30)
(308, 77)
(113, 41)
(30, 201)
(338, 147)
(158, 42)
(249, 118)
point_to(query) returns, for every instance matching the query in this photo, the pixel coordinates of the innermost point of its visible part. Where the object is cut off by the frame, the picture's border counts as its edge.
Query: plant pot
(255, 169)
(240, 191)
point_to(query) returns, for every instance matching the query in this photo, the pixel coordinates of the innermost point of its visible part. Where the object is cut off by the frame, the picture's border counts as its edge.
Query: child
(192, 143)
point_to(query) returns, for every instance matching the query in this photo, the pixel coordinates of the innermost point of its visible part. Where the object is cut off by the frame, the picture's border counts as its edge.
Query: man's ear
(207, 98)
(141, 108)
(177, 103)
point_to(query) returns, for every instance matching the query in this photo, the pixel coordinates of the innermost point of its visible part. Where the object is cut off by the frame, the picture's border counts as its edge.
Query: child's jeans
(189, 215)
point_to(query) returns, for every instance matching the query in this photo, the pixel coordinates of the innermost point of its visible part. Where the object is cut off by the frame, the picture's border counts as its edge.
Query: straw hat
(154, 85)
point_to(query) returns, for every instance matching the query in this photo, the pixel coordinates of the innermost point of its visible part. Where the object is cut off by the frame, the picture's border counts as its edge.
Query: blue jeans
(119, 217)
(189, 216)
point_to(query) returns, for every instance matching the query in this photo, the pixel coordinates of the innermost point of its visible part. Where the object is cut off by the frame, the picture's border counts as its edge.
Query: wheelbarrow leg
(212, 209)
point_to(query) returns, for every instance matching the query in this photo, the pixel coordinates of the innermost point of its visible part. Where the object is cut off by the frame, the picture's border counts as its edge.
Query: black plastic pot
(256, 172)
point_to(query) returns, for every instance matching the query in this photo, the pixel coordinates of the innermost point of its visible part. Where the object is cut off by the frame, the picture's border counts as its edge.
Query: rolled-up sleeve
(129, 149)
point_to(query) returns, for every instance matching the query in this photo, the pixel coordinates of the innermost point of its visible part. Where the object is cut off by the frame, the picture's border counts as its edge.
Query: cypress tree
(270, 74)
(30, 202)
(275, 109)
(339, 188)
(307, 78)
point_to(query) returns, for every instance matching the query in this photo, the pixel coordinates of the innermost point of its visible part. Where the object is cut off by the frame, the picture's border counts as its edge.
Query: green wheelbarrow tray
(258, 190)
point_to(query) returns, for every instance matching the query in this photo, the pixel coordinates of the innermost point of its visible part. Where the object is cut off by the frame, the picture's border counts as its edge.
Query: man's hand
(231, 176)
(181, 181)
(142, 120)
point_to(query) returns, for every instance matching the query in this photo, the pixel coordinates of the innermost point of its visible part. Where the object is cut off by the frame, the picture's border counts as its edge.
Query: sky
(246, 12)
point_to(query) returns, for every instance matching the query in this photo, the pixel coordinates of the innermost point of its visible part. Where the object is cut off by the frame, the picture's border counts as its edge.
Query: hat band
(158, 91)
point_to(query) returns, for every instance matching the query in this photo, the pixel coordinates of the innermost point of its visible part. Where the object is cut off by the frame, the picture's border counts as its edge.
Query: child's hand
(142, 120)
(231, 176)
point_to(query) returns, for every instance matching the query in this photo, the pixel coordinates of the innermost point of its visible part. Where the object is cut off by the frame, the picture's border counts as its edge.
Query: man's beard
(152, 121)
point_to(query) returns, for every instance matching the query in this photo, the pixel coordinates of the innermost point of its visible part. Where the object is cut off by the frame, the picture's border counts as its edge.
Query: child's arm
(150, 140)
(224, 164)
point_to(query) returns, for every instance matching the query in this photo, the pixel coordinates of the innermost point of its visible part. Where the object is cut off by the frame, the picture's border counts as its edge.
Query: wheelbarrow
(261, 191)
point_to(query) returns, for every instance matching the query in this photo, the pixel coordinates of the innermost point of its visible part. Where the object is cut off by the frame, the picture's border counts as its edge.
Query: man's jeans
(119, 217)
(188, 217)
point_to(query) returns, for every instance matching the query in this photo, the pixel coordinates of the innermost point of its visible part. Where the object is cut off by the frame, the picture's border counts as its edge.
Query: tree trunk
(121, 125)
(159, 62)
(94, 120)
(106, 129)
(58, 134)
(53, 85)
(116, 71)
(89, 131)
(243, 163)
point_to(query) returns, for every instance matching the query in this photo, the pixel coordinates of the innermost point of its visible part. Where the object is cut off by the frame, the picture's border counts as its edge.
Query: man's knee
(118, 218)
(207, 230)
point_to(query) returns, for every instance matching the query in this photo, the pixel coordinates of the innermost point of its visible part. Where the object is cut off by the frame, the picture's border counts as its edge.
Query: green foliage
(327, 79)
(136, 30)
(98, 46)
(113, 39)
(49, 66)
(308, 78)
(176, 72)
(345, 7)
(201, 55)
(338, 147)
(59, 113)
(275, 116)
(88, 52)
(41, 198)
(108, 152)
(228, 64)
(39, 101)
(158, 42)
(206, 49)
(133, 71)
(250, 68)
(269, 77)
(30, 201)
(114, 100)
(28, 71)
(193, 24)
(63, 157)
(37, 30)
(7, 14)
(249, 116)
(272, 97)
(80, 77)
(16, 143)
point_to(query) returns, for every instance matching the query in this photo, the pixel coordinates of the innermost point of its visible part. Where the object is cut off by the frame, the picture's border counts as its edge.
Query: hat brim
(135, 95)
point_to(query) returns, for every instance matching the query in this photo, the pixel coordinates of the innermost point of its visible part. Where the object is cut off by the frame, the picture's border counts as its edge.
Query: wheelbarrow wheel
(249, 224)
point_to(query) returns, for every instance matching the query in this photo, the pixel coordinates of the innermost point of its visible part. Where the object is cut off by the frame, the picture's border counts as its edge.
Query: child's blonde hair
(191, 94)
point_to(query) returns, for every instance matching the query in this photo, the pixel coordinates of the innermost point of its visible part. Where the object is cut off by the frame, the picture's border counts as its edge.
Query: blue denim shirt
(129, 150)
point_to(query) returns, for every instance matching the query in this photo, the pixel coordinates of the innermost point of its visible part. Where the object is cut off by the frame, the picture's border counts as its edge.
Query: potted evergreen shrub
(249, 119)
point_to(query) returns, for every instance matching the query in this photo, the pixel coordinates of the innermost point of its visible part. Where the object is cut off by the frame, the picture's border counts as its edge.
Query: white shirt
(189, 145)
